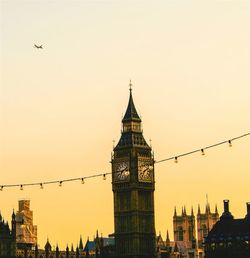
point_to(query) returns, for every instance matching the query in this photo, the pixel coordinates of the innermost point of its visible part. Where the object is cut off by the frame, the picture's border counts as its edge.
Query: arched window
(204, 231)
(180, 234)
(190, 233)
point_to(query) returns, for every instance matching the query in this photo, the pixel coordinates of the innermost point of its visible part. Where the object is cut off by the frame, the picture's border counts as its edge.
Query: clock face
(145, 170)
(121, 171)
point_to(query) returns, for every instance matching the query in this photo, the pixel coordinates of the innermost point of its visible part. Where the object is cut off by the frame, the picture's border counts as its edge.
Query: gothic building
(205, 222)
(133, 188)
(100, 247)
(184, 228)
(26, 232)
(189, 233)
(8, 238)
(188, 242)
(229, 238)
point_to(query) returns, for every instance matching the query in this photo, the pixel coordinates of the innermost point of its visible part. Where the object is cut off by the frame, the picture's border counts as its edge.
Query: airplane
(36, 46)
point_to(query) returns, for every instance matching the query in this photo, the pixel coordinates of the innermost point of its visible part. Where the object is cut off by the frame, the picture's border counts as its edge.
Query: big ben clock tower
(133, 190)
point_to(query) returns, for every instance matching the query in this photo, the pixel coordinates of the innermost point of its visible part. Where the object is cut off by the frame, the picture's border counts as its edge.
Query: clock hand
(123, 169)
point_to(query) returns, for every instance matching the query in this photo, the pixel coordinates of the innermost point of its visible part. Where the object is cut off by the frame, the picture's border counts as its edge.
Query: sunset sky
(61, 107)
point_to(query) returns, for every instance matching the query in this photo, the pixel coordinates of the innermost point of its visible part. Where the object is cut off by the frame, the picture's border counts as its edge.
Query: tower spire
(184, 210)
(199, 209)
(131, 113)
(130, 86)
(175, 212)
(131, 128)
(216, 209)
(167, 239)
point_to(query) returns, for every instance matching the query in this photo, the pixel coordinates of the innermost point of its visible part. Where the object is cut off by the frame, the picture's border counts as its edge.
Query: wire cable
(82, 179)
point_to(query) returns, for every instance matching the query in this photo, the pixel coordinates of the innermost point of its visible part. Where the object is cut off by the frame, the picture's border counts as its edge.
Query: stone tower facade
(133, 186)
(26, 232)
(184, 228)
(205, 222)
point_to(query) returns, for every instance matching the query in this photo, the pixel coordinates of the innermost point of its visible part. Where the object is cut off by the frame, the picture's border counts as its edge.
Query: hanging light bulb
(1, 188)
(21, 187)
(41, 185)
(230, 143)
(104, 176)
(83, 180)
(202, 152)
(60, 183)
(176, 159)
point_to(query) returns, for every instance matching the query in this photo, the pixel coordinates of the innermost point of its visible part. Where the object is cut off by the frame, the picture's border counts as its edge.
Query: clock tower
(133, 190)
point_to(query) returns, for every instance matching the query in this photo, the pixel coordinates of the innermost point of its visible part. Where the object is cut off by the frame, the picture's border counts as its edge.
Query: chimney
(248, 210)
(226, 206)
(226, 214)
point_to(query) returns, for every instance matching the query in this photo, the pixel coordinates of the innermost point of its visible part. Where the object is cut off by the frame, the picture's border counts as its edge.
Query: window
(180, 234)
(204, 231)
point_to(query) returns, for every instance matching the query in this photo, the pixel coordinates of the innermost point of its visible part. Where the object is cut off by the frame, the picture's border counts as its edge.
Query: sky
(61, 107)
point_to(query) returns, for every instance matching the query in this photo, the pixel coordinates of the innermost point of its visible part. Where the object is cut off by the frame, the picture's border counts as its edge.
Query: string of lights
(202, 150)
(104, 175)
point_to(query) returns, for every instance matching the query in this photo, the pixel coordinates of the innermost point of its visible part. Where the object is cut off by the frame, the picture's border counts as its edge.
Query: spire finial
(130, 86)
(199, 209)
(216, 209)
(167, 235)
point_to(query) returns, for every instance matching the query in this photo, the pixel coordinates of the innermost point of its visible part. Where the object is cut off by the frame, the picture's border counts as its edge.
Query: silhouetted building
(98, 247)
(133, 188)
(8, 238)
(229, 238)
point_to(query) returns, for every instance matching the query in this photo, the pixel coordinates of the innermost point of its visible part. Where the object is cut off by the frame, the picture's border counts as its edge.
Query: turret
(57, 251)
(47, 248)
(207, 210)
(77, 252)
(184, 211)
(167, 240)
(13, 224)
(199, 210)
(192, 211)
(175, 212)
(216, 209)
(80, 244)
(67, 251)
